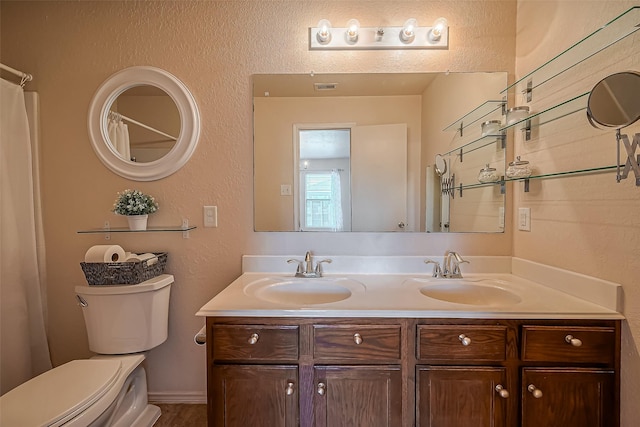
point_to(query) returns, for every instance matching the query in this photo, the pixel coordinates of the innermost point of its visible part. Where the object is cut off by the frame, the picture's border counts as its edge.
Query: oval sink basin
(470, 293)
(303, 291)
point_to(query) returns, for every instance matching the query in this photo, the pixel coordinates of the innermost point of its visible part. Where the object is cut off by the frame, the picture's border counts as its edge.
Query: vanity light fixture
(354, 37)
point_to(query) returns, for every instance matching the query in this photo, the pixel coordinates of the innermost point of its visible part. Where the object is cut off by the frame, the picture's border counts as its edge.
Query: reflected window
(319, 201)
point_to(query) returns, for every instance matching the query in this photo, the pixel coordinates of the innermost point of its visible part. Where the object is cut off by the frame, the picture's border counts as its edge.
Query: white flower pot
(137, 222)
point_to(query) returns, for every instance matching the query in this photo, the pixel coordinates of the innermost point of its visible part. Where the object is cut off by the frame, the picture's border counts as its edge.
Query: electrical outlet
(524, 219)
(285, 190)
(210, 216)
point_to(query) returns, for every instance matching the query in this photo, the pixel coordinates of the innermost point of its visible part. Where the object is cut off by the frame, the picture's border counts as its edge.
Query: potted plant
(136, 206)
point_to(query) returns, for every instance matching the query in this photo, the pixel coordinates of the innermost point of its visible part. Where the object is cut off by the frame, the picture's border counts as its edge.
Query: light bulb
(324, 31)
(353, 27)
(437, 29)
(408, 32)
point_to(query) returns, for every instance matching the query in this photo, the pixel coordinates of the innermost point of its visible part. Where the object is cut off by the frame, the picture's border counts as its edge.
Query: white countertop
(391, 294)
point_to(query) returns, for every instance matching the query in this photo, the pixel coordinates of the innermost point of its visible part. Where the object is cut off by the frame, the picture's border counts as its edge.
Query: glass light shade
(324, 31)
(437, 29)
(353, 27)
(407, 34)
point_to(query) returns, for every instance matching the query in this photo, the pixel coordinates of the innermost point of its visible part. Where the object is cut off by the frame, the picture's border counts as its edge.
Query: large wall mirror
(143, 123)
(356, 152)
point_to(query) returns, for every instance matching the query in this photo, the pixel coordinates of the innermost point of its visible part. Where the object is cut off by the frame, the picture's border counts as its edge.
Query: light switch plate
(524, 219)
(210, 216)
(285, 190)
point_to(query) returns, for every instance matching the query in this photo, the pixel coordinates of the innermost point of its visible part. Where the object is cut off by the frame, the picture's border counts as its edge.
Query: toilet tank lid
(152, 284)
(60, 394)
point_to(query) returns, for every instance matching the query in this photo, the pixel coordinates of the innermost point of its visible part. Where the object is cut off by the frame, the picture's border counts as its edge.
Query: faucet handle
(319, 266)
(299, 270)
(437, 271)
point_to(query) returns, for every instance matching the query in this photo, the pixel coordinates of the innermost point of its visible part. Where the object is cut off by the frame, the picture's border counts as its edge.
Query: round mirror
(441, 165)
(615, 100)
(143, 123)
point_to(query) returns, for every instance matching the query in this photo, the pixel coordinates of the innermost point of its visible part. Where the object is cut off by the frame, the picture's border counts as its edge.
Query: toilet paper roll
(105, 253)
(201, 337)
(149, 257)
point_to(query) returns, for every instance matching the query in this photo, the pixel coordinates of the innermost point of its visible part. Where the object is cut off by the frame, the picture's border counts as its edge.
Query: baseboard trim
(195, 397)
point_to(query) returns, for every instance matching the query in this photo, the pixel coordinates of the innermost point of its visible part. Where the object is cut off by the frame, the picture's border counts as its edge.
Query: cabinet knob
(573, 341)
(253, 339)
(465, 340)
(536, 392)
(289, 390)
(322, 388)
(502, 391)
(357, 338)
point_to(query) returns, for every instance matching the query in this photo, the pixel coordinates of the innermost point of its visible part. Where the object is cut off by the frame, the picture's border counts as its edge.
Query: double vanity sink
(392, 292)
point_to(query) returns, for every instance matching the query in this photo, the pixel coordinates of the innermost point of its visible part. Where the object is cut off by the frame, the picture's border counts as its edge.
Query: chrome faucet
(305, 268)
(451, 265)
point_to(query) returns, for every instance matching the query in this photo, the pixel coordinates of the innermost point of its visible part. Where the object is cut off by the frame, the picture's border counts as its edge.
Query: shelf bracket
(107, 230)
(633, 161)
(185, 225)
(461, 155)
(461, 128)
(503, 140)
(460, 190)
(503, 186)
(529, 91)
(526, 185)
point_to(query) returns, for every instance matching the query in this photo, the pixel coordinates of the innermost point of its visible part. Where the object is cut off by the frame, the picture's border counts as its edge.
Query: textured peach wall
(71, 47)
(585, 224)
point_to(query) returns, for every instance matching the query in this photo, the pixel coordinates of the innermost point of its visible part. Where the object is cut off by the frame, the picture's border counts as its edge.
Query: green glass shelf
(126, 230)
(475, 115)
(605, 36)
(476, 144)
(566, 108)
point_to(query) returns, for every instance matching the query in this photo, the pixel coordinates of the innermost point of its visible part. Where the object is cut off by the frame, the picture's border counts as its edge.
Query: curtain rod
(26, 77)
(120, 116)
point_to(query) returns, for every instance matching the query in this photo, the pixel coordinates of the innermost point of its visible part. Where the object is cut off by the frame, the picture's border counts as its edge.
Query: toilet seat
(61, 394)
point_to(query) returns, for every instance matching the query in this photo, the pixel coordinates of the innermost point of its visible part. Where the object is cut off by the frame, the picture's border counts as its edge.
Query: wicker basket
(123, 273)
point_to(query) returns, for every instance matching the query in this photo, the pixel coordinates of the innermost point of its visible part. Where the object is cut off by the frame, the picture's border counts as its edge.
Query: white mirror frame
(189, 123)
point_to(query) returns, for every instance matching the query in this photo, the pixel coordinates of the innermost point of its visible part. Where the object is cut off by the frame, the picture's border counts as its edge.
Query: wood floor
(182, 415)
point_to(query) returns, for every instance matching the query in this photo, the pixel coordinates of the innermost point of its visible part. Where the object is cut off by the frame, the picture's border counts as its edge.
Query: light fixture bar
(378, 38)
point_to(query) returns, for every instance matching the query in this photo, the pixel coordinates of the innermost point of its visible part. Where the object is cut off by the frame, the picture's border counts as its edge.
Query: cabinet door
(462, 397)
(579, 397)
(357, 396)
(255, 395)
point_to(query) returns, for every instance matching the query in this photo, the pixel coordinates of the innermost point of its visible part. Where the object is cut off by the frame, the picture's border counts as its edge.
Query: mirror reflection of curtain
(24, 351)
(336, 196)
(119, 137)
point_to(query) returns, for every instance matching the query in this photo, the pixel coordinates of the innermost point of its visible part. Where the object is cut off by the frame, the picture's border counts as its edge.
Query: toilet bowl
(109, 389)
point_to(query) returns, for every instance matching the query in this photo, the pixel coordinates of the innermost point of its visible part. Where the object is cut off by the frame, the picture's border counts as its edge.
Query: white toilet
(109, 389)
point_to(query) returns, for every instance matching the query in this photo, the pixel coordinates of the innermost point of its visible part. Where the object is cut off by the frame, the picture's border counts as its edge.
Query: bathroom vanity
(409, 350)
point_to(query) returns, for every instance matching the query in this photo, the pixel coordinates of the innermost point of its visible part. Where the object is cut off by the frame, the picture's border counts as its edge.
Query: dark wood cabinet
(464, 396)
(398, 372)
(254, 395)
(357, 396)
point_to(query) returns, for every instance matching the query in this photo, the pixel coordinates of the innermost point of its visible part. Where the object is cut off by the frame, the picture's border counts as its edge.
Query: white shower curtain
(24, 351)
(119, 136)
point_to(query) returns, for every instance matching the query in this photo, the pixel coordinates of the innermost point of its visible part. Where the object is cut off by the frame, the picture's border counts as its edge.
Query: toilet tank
(128, 318)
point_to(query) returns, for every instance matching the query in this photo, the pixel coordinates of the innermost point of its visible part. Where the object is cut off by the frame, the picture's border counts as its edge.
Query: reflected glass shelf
(127, 230)
(475, 115)
(476, 144)
(605, 36)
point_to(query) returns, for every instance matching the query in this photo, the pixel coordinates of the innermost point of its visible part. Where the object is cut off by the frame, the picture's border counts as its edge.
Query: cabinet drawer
(571, 344)
(255, 342)
(365, 342)
(463, 342)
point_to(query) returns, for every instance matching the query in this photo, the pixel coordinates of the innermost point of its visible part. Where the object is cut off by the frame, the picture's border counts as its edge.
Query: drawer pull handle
(573, 341)
(357, 338)
(465, 340)
(289, 390)
(322, 388)
(536, 392)
(502, 391)
(253, 339)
